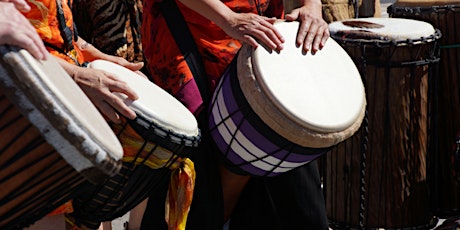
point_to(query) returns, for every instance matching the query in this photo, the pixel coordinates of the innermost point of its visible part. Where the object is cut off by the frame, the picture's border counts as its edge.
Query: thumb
(293, 15)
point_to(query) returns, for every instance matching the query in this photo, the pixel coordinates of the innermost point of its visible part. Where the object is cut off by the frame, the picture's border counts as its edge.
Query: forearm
(90, 53)
(69, 68)
(214, 10)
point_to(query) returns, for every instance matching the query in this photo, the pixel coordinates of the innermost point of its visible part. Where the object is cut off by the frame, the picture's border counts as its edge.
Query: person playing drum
(16, 30)
(72, 52)
(219, 28)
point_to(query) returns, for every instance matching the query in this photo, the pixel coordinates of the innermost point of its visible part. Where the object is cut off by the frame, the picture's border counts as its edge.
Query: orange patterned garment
(165, 62)
(43, 16)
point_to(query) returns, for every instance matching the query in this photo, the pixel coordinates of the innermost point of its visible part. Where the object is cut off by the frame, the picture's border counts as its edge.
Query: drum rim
(89, 158)
(303, 136)
(383, 41)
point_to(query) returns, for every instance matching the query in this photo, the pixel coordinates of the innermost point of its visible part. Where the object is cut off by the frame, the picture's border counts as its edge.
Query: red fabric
(165, 62)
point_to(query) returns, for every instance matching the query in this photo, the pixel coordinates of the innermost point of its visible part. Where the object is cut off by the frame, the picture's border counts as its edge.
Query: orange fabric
(65, 208)
(43, 16)
(164, 61)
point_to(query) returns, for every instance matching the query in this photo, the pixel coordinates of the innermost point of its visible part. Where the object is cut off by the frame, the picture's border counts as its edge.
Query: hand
(313, 31)
(134, 66)
(100, 87)
(21, 5)
(91, 53)
(16, 30)
(254, 29)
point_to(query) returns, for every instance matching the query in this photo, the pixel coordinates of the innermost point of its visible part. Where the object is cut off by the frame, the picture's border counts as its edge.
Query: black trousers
(293, 200)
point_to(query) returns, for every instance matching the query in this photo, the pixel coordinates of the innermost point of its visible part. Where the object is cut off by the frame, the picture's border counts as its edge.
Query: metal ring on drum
(378, 177)
(275, 111)
(53, 139)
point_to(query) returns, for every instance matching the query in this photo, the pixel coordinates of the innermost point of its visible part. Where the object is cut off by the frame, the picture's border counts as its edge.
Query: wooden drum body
(444, 15)
(273, 112)
(53, 139)
(377, 178)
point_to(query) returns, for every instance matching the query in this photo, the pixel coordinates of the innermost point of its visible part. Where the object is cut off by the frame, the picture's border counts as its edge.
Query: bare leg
(232, 186)
(135, 216)
(49, 222)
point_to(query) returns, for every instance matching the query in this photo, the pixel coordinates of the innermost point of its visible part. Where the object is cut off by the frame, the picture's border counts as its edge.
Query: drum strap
(186, 44)
(66, 32)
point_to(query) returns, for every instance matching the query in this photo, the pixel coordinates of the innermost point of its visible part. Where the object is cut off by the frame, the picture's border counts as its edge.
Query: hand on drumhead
(100, 87)
(254, 29)
(134, 66)
(313, 31)
(16, 30)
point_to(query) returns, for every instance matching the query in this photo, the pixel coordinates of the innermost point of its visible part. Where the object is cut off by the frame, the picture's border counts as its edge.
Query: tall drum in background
(52, 139)
(377, 178)
(444, 15)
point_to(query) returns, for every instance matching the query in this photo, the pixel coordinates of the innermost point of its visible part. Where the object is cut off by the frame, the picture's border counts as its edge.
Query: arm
(99, 86)
(246, 27)
(313, 31)
(16, 30)
(91, 53)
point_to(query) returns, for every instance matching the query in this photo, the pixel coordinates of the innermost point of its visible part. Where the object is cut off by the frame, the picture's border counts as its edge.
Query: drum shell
(391, 176)
(44, 163)
(231, 112)
(138, 177)
(39, 180)
(444, 15)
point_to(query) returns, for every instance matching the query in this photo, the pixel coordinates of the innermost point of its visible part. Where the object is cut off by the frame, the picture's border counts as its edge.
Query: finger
(266, 37)
(123, 62)
(302, 33)
(121, 107)
(107, 111)
(119, 86)
(21, 5)
(311, 35)
(141, 74)
(273, 33)
(250, 40)
(22, 40)
(293, 15)
(320, 39)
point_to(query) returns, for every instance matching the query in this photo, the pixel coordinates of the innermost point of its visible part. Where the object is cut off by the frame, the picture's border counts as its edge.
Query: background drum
(272, 112)
(377, 178)
(444, 15)
(53, 139)
(163, 134)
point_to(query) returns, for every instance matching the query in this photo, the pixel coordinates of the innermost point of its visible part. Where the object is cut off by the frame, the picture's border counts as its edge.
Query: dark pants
(293, 200)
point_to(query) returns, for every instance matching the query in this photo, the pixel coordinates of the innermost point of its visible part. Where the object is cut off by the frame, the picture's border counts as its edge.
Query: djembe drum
(444, 15)
(157, 141)
(273, 112)
(53, 139)
(377, 178)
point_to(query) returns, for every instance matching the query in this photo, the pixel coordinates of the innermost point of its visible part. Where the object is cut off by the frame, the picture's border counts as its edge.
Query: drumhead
(154, 103)
(385, 29)
(322, 92)
(62, 112)
(425, 3)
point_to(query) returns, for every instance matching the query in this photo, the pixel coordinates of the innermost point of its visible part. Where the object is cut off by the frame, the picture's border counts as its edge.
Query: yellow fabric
(182, 181)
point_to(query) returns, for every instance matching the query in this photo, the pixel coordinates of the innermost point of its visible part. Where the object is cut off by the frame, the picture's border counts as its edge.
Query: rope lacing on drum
(392, 9)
